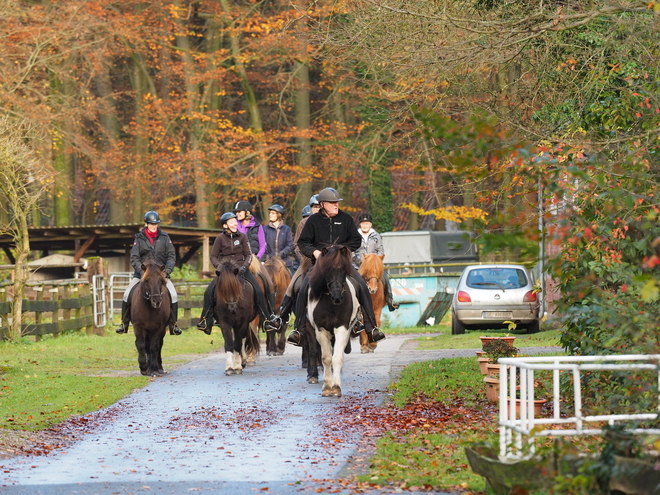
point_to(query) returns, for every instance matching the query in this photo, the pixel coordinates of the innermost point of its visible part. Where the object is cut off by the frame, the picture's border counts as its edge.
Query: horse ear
(161, 267)
(381, 256)
(144, 268)
(324, 251)
(345, 251)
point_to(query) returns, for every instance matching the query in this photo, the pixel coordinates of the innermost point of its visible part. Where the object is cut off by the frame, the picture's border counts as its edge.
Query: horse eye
(148, 294)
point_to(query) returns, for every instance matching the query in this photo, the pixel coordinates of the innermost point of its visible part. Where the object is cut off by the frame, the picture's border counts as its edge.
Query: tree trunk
(303, 124)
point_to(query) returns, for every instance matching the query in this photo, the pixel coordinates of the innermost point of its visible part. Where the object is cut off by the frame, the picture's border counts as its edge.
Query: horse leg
(281, 340)
(342, 334)
(228, 336)
(140, 346)
(159, 354)
(364, 343)
(251, 357)
(324, 338)
(154, 342)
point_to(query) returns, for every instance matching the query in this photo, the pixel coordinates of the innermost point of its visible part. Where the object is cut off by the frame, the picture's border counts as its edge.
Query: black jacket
(162, 251)
(322, 231)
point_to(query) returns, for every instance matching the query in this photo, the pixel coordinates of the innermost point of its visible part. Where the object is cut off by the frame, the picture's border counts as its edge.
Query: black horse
(234, 310)
(150, 314)
(331, 311)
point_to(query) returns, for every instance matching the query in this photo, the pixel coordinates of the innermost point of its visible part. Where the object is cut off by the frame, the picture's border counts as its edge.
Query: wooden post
(55, 315)
(37, 315)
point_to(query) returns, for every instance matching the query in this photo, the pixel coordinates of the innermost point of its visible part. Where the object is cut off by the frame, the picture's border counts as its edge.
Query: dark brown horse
(331, 310)
(150, 314)
(234, 310)
(280, 276)
(372, 271)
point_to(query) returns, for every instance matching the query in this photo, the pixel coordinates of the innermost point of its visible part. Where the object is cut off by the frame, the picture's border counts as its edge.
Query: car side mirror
(450, 290)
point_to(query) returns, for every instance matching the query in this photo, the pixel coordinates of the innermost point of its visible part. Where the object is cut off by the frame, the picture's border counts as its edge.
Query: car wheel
(457, 328)
(534, 327)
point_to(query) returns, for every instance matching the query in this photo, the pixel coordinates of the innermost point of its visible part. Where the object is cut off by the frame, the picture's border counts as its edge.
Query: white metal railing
(517, 434)
(98, 294)
(118, 284)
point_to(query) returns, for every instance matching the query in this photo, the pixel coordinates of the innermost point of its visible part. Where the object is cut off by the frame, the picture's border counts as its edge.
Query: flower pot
(480, 353)
(493, 369)
(538, 405)
(509, 340)
(492, 388)
(483, 361)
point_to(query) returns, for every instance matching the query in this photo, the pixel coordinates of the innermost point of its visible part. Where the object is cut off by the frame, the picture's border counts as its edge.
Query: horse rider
(232, 244)
(279, 240)
(372, 243)
(333, 226)
(290, 296)
(151, 243)
(249, 226)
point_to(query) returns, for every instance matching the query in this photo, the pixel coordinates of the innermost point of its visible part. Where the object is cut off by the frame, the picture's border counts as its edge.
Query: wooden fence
(51, 308)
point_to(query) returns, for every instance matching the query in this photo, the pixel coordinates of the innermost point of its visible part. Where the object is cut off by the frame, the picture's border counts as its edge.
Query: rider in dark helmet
(151, 243)
(249, 226)
(372, 243)
(279, 240)
(333, 226)
(234, 245)
(289, 297)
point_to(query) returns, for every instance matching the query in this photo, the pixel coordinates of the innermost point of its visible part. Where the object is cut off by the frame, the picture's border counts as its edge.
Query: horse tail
(252, 344)
(228, 287)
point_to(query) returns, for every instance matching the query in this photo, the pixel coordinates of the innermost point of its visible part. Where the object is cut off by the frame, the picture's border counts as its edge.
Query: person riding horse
(372, 243)
(333, 226)
(151, 243)
(290, 297)
(279, 240)
(233, 244)
(249, 226)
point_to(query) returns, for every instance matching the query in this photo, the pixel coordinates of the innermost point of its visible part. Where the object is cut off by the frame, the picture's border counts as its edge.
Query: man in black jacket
(327, 227)
(151, 243)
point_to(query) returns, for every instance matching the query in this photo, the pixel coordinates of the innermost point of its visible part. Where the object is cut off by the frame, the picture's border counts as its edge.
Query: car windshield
(496, 278)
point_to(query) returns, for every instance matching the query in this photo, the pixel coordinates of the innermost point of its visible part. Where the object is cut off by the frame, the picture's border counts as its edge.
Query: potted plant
(495, 349)
(540, 393)
(507, 338)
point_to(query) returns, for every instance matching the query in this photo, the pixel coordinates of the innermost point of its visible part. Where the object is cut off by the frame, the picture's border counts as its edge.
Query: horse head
(228, 287)
(330, 272)
(152, 283)
(372, 271)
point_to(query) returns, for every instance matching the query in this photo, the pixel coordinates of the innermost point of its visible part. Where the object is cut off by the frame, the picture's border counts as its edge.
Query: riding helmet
(365, 217)
(314, 200)
(227, 216)
(151, 217)
(306, 211)
(329, 194)
(278, 208)
(243, 206)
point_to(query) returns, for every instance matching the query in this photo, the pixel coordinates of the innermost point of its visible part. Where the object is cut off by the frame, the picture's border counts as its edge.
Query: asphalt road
(196, 429)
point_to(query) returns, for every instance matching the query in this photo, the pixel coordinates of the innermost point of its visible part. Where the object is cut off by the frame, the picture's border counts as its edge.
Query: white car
(491, 295)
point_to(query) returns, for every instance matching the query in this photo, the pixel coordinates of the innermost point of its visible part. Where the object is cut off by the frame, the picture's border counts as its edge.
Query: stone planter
(493, 369)
(538, 406)
(508, 340)
(483, 361)
(492, 388)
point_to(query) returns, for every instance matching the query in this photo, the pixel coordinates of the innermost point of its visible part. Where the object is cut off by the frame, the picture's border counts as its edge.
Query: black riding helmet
(243, 206)
(151, 217)
(365, 217)
(227, 216)
(278, 208)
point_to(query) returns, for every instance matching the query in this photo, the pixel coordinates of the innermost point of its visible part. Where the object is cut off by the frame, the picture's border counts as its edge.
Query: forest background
(529, 120)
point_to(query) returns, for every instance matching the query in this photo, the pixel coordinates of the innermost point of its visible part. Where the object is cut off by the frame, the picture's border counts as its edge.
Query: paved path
(196, 429)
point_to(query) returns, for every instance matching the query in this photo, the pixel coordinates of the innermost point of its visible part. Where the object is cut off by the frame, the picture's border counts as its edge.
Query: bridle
(334, 282)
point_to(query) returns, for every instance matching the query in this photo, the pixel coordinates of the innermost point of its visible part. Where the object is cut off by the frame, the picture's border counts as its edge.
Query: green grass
(470, 339)
(42, 383)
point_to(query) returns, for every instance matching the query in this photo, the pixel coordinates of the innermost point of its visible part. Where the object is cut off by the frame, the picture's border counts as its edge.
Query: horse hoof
(251, 363)
(280, 353)
(364, 350)
(326, 393)
(229, 372)
(145, 373)
(312, 380)
(239, 372)
(335, 392)
(270, 353)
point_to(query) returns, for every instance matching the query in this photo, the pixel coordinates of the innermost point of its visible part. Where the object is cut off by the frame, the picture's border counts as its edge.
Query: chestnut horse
(332, 308)
(150, 315)
(372, 271)
(234, 310)
(264, 280)
(280, 276)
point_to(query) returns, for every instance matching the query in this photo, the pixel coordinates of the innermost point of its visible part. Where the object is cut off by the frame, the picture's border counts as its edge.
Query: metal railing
(518, 431)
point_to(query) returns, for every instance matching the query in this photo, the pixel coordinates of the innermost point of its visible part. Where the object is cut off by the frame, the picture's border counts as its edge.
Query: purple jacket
(256, 237)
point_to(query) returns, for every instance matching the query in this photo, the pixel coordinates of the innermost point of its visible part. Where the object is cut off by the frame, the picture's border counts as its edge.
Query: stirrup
(273, 323)
(375, 335)
(357, 329)
(175, 330)
(295, 338)
(393, 306)
(122, 328)
(203, 326)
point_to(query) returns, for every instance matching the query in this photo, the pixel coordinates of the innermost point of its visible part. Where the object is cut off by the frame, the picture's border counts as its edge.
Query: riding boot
(206, 320)
(295, 337)
(389, 299)
(125, 318)
(285, 309)
(271, 323)
(174, 316)
(274, 322)
(373, 332)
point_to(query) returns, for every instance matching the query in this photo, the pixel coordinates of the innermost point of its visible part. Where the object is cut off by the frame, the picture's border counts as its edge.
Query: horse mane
(153, 269)
(278, 271)
(335, 260)
(228, 287)
(372, 266)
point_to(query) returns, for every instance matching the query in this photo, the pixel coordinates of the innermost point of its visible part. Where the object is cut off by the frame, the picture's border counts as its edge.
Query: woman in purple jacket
(249, 226)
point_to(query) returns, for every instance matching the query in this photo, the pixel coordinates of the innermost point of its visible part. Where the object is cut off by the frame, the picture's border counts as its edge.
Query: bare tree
(24, 178)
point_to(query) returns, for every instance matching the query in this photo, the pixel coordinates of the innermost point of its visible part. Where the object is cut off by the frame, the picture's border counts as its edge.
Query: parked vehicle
(490, 296)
